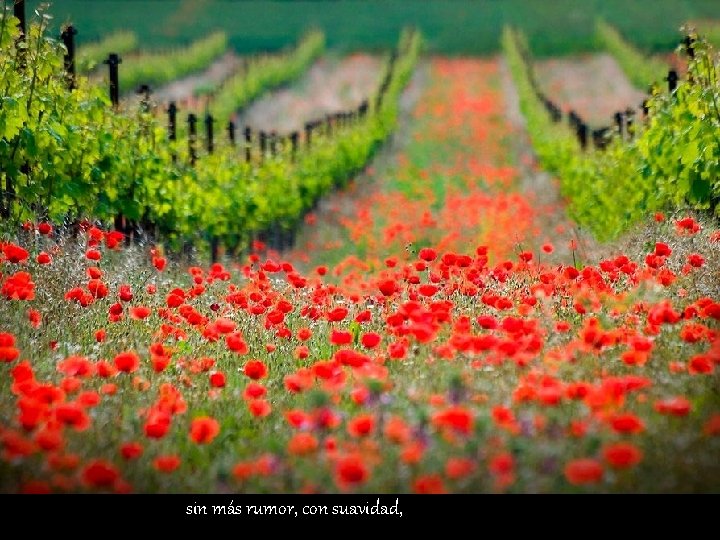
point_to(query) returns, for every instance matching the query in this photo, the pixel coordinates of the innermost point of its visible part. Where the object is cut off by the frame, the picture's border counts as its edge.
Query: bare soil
(330, 85)
(183, 91)
(594, 86)
(326, 226)
(542, 188)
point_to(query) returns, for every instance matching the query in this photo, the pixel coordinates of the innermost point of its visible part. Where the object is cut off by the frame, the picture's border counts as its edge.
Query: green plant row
(263, 72)
(89, 55)
(68, 155)
(672, 161)
(230, 201)
(643, 71)
(710, 29)
(162, 67)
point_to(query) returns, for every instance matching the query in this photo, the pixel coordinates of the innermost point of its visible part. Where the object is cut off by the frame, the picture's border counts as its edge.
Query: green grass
(451, 26)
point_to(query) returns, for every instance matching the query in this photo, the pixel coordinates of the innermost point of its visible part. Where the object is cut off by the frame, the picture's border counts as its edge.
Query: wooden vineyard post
(582, 132)
(263, 145)
(248, 143)
(113, 60)
(172, 125)
(619, 122)
(231, 132)
(689, 44)
(19, 12)
(629, 116)
(209, 142)
(672, 80)
(192, 137)
(308, 134)
(145, 91)
(273, 143)
(294, 136)
(68, 38)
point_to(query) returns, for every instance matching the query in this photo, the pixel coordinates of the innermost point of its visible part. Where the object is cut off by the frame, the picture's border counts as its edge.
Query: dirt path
(183, 90)
(325, 227)
(592, 85)
(459, 173)
(187, 87)
(541, 187)
(330, 85)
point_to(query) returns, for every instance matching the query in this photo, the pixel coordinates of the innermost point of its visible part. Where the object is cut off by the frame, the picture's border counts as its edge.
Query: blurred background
(451, 27)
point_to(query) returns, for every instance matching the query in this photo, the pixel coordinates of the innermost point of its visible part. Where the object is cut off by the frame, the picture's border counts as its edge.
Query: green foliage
(162, 67)
(672, 160)
(68, 155)
(89, 55)
(457, 27)
(710, 29)
(642, 71)
(264, 72)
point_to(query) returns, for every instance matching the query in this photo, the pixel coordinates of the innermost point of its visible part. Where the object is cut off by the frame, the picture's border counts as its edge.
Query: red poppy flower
(502, 464)
(217, 379)
(93, 254)
(204, 429)
(72, 414)
(14, 254)
(583, 471)
(370, 340)
(712, 426)
(675, 406)
(19, 286)
(127, 361)
(430, 484)
(49, 439)
(696, 260)
(456, 418)
(622, 455)
(131, 450)
(236, 343)
(140, 312)
(157, 424)
(388, 287)
(166, 463)
(701, 364)
(8, 352)
(341, 337)
(351, 471)
(361, 426)
(302, 444)
(97, 288)
(76, 366)
(337, 314)
(159, 263)
(627, 423)
(457, 468)
(427, 254)
(396, 430)
(224, 325)
(259, 408)
(255, 369)
(100, 473)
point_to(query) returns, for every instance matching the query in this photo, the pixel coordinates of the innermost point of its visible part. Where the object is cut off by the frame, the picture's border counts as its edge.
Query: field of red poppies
(443, 328)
